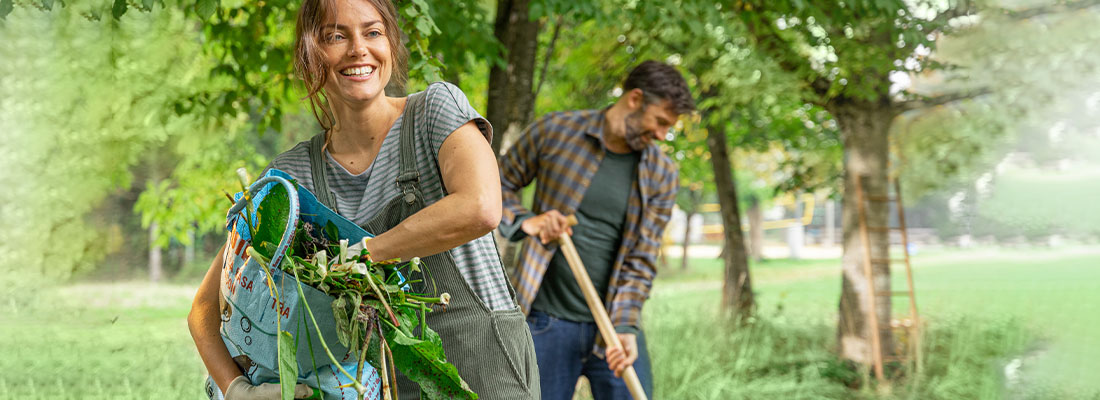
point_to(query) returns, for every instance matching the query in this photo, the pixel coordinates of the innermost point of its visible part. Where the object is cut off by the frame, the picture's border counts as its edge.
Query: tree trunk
(756, 230)
(737, 298)
(155, 265)
(511, 101)
(687, 240)
(864, 126)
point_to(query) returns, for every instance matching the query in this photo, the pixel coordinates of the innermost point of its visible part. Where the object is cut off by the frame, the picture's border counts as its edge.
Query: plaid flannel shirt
(562, 151)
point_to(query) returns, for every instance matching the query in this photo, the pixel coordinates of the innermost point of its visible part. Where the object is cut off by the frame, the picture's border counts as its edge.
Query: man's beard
(634, 135)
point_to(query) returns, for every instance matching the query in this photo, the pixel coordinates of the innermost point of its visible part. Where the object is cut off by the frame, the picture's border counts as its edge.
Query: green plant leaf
(423, 361)
(331, 232)
(271, 218)
(206, 8)
(118, 9)
(288, 365)
(5, 8)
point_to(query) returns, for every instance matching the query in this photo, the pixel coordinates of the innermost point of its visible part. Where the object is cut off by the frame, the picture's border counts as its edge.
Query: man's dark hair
(660, 80)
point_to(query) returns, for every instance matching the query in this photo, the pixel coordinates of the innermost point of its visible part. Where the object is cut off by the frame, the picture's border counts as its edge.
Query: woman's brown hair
(309, 62)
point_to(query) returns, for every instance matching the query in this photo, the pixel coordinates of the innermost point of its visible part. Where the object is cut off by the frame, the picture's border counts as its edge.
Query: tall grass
(698, 355)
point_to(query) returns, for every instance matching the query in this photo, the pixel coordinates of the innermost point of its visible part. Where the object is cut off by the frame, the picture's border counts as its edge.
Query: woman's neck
(360, 128)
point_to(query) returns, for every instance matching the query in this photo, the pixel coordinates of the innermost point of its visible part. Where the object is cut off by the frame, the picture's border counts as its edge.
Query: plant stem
(423, 320)
(433, 300)
(393, 370)
(363, 357)
(382, 363)
(320, 336)
(382, 298)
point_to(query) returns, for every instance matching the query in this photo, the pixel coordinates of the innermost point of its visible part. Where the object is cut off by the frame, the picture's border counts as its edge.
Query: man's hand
(242, 389)
(620, 358)
(547, 226)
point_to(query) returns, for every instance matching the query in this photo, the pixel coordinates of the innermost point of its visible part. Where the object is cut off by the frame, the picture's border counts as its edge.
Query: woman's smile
(358, 73)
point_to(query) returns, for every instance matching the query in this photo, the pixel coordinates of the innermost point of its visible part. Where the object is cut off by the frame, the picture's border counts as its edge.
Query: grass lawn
(101, 341)
(1033, 310)
(1050, 296)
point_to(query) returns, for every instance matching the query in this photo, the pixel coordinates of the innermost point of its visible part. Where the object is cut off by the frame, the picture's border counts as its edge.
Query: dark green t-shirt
(598, 234)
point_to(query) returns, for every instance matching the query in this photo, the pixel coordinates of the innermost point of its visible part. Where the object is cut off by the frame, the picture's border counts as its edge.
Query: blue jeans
(564, 352)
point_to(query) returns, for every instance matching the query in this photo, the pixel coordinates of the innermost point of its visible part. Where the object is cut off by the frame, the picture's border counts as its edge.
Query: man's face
(649, 123)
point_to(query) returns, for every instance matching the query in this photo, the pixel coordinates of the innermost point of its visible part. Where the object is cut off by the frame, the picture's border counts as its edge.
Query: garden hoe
(596, 306)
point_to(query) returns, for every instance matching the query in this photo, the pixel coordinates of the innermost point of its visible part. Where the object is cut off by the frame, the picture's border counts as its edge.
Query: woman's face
(357, 52)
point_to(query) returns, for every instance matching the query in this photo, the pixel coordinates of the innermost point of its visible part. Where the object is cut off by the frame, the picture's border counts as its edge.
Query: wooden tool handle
(595, 305)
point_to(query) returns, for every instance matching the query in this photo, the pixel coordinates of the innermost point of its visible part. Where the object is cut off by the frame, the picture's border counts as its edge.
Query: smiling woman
(324, 38)
(416, 171)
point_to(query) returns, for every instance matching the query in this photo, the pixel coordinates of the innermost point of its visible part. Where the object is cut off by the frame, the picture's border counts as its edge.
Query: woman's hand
(242, 389)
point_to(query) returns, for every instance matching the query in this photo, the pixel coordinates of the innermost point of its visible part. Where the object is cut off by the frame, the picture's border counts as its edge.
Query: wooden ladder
(911, 324)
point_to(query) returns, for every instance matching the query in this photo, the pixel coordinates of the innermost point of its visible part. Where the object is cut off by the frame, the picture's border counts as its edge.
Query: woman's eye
(374, 34)
(334, 37)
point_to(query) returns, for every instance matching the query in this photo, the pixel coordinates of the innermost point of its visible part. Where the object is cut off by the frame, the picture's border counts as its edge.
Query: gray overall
(492, 350)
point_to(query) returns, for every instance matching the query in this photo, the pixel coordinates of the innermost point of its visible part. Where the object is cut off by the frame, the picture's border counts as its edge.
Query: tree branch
(549, 54)
(944, 99)
(1051, 9)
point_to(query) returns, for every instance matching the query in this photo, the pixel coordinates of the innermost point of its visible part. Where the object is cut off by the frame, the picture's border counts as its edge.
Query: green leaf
(424, 25)
(5, 8)
(423, 361)
(288, 365)
(206, 8)
(271, 219)
(47, 4)
(331, 232)
(118, 9)
(340, 313)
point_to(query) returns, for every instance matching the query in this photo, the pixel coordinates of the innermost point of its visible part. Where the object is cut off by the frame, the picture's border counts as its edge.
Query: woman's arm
(203, 322)
(470, 209)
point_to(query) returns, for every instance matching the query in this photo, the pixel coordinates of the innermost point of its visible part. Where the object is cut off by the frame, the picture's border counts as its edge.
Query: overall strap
(319, 172)
(409, 178)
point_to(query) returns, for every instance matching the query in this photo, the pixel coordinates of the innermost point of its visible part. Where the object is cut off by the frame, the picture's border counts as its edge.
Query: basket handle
(291, 220)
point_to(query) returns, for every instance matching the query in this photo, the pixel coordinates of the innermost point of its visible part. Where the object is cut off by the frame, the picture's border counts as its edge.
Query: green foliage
(423, 361)
(466, 39)
(1036, 74)
(82, 108)
(272, 215)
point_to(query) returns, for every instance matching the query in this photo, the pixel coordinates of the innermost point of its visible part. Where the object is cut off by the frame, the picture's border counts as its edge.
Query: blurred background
(122, 122)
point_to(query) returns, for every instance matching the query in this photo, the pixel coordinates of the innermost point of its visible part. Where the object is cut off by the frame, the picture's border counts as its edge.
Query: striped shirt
(359, 197)
(562, 151)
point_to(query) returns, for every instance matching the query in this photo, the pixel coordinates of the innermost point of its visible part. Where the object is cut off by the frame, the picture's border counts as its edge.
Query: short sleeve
(447, 109)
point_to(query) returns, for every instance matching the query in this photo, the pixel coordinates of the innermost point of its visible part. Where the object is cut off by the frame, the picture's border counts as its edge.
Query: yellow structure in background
(788, 200)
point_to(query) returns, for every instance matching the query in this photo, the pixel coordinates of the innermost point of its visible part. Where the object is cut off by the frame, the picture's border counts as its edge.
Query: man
(604, 167)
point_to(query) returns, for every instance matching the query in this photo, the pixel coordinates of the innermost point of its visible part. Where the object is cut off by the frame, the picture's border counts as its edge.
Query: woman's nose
(357, 47)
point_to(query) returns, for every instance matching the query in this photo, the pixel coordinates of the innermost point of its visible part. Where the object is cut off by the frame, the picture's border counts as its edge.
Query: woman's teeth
(357, 71)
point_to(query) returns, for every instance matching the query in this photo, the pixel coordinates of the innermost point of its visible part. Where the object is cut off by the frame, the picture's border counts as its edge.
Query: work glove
(242, 389)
